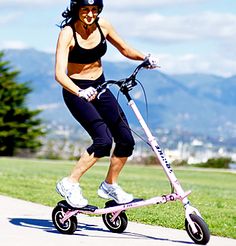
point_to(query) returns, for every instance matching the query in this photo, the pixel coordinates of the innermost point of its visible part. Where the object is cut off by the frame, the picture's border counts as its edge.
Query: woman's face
(88, 14)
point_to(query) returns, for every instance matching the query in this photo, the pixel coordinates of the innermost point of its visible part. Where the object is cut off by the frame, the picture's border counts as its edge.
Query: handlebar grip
(145, 62)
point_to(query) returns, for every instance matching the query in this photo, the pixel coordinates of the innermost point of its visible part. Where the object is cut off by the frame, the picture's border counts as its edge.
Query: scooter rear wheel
(203, 234)
(69, 226)
(118, 225)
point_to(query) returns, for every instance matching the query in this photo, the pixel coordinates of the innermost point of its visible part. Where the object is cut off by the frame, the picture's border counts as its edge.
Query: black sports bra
(86, 56)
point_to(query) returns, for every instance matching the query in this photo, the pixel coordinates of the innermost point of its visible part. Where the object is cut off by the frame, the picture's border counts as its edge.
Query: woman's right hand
(88, 94)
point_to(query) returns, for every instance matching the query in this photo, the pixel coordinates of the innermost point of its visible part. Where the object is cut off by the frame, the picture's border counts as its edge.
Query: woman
(78, 68)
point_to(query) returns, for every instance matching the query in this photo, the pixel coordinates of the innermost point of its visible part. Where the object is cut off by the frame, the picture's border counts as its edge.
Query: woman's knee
(124, 149)
(101, 147)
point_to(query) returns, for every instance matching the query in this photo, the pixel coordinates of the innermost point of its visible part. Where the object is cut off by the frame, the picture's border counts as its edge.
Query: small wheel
(203, 234)
(118, 225)
(69, 226)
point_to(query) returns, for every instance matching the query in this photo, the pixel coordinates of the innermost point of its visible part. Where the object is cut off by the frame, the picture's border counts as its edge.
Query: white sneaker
(72, 193)
(114, 192)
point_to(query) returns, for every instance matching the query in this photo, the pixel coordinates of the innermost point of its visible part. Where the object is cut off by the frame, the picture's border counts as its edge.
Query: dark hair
(70, 16)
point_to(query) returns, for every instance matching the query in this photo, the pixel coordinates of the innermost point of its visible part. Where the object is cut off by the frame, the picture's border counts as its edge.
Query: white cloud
(13, 44)
(151, 4)
(49, 106)
(228, 49)
(124, 4)
(209, 37)
(192, 63)
(9, 17)
(186, 62)
(30, 3)
(158, 27)
(208, 63)
(215, 25)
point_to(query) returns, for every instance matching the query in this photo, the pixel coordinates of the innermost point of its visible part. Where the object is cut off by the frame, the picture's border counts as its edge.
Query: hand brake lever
(101, 91)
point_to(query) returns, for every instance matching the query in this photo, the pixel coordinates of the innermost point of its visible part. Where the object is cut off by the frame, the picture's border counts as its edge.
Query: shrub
(222, 162)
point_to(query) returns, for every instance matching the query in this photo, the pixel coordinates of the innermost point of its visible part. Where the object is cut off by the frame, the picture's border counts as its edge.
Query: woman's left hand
(153, 62)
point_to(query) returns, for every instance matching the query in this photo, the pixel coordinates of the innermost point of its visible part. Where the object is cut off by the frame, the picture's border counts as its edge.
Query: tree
(19, 127)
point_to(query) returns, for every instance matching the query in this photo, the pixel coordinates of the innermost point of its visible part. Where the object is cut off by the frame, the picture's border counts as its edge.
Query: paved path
(28, 224)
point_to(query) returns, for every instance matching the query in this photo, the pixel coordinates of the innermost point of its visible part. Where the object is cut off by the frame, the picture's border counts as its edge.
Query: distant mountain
(222, 90)
(227, 91)
(195, 103)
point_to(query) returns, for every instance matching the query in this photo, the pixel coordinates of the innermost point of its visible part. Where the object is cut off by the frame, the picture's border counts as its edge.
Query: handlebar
(126, 84)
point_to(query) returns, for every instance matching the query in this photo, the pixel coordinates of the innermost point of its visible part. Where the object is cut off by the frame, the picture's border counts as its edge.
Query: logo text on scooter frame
(164, 159)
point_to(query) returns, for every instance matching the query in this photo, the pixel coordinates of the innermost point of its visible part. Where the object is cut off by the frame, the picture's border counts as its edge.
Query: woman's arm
(61, 62)
(119, 43)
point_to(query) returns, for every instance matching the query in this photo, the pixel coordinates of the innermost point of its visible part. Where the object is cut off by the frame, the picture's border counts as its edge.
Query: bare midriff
(85, 71)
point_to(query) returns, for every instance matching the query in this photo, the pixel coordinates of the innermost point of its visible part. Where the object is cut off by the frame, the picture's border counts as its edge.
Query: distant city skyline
(189, 36)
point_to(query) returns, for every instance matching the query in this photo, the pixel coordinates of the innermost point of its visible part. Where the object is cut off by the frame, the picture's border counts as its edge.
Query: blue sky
(189, 36)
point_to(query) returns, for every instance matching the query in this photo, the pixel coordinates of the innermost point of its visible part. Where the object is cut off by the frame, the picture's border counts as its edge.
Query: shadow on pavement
(48, 226)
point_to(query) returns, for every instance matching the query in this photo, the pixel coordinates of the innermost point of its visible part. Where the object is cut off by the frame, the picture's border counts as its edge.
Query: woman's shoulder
(66, 34)
(104, 23)
(67, 30)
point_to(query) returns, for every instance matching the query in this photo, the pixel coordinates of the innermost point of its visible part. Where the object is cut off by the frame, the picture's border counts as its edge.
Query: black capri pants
(103, 119)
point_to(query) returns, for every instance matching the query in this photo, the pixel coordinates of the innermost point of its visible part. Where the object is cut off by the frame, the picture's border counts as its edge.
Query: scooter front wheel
(69, 226)
(118, 225)
(203, 234)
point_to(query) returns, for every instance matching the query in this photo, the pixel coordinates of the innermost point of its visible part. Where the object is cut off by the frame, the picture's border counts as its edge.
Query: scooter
(113, 215)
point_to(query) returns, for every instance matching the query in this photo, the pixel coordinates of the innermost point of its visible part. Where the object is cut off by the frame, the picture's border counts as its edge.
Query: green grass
(213, 192)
